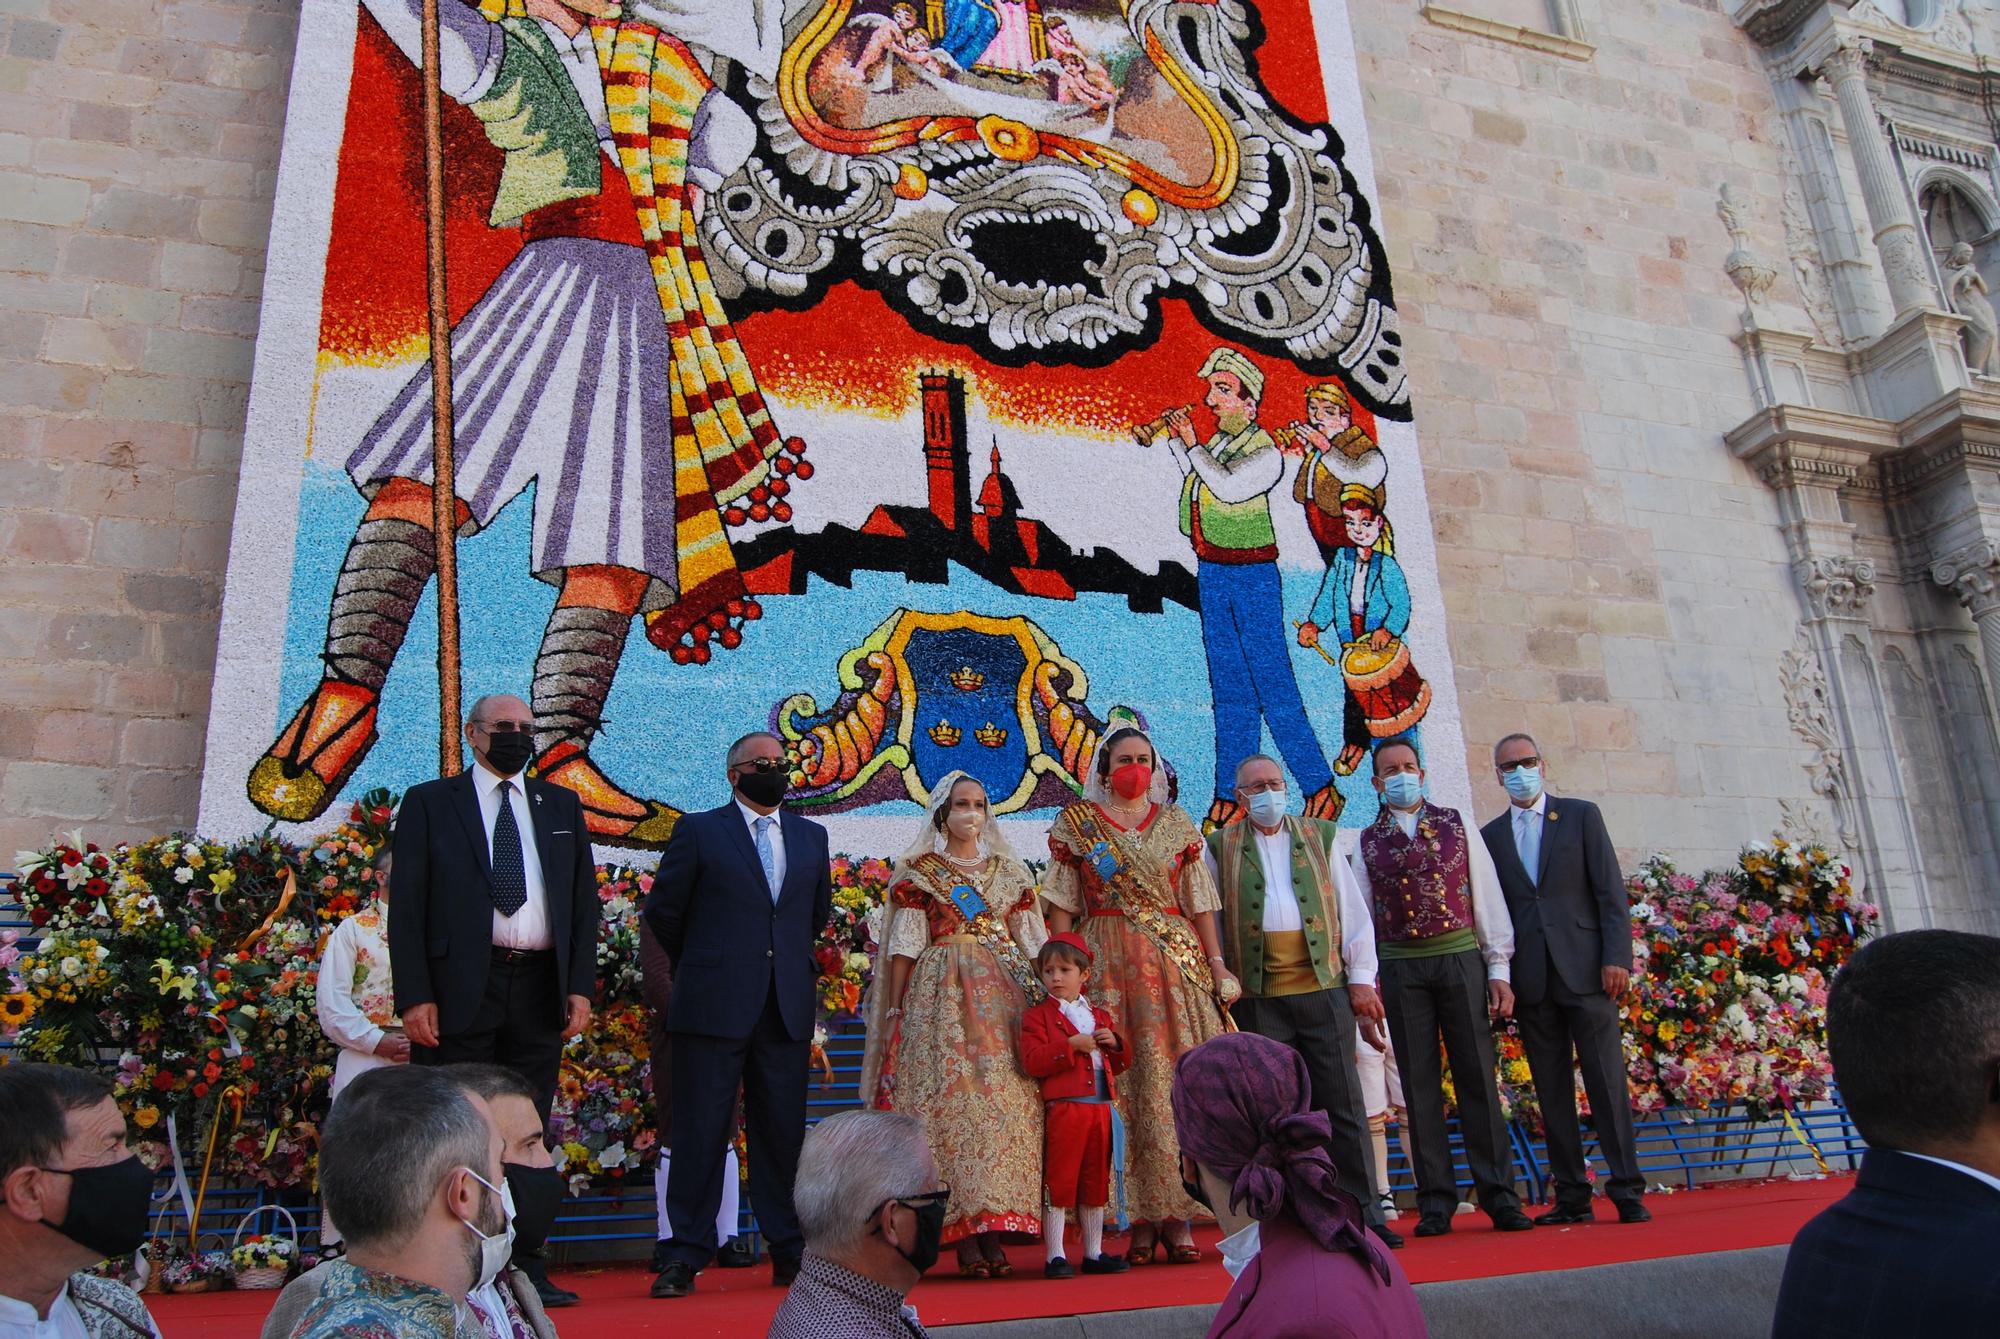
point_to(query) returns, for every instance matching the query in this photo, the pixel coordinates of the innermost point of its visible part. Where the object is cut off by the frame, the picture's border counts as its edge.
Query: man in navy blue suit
(740, 895)
(1913, 1251)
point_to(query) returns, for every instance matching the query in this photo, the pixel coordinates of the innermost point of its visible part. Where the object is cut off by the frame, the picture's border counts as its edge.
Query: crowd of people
(1168, 1027)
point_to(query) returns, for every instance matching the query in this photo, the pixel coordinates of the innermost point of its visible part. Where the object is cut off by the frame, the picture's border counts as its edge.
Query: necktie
(767, 855)
(1528, 841)
(510, 876)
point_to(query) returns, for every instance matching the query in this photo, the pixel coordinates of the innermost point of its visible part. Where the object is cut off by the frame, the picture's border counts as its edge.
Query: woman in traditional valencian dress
(1127, 865)
(964, 928)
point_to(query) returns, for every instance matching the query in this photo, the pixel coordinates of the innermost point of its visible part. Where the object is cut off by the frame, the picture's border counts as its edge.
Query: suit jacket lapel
(466, 800)
(739, 831)
(793, 835)
(540, 815)
(1549, 833)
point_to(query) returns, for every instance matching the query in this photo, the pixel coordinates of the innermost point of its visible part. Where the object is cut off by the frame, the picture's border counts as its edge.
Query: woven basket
(266, 1277)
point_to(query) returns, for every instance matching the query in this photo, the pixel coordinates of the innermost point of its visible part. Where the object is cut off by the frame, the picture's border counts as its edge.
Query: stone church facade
(1697, 312)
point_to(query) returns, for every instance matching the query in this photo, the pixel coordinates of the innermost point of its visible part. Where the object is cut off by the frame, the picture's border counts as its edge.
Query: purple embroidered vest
(1422, 885)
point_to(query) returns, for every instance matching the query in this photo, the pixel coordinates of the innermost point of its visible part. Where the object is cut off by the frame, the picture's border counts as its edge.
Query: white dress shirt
(1972, 1172)
(1281, 902)
(528, 928)
(1080, 1017)
(19, 1321)
(1492, 927)
(750, 819)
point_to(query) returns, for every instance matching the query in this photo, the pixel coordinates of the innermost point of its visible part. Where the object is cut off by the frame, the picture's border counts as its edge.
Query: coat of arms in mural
(1028, 186)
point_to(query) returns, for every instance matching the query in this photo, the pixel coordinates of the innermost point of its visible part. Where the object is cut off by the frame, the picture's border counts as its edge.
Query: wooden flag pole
(444, 501)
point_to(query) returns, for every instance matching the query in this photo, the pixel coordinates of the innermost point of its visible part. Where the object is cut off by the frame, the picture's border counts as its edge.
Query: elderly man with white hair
(872, 1210)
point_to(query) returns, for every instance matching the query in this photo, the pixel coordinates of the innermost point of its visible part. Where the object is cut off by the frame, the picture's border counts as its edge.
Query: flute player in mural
(599, 366)
(1225, 511)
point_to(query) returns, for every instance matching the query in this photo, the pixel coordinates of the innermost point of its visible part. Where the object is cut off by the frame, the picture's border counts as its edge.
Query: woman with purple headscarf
(1304, 1262)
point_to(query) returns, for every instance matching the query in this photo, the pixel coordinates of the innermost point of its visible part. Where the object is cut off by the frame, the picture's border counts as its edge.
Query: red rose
(211, 1072)
(162, 1081)
(201, 1090)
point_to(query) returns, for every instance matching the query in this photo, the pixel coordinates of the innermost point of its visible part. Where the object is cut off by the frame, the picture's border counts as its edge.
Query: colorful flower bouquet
(203, 1271)
(337, 871)
(603, 1122)
(621, 895)
(845, 948)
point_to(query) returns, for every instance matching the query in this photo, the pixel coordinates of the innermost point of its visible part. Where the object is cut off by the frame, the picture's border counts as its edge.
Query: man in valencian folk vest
(1297, 934)
(1445, 943)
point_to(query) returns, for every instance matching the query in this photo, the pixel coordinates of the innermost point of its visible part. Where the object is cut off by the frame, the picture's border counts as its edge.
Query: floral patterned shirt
(356, 1303)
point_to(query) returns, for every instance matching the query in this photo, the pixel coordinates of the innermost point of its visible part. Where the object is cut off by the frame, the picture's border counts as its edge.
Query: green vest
(533, 114)
(1242, 879)
(1230, 525)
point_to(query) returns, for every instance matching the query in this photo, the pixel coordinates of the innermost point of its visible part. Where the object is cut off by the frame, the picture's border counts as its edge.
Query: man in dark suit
(493, 916)
(740, 894)
(1913, 1023)
(1572, 967)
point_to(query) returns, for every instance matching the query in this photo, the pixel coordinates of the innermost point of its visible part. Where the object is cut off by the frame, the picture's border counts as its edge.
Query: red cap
(1075, 942)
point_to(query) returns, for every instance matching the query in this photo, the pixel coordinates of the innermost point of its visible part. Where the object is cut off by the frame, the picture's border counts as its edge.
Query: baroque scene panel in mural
(930, 383)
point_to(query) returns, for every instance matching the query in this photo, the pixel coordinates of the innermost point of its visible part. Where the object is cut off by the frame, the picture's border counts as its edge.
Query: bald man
(493, 909)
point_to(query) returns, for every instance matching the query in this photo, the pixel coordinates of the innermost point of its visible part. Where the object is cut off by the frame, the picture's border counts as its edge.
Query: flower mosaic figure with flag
(599, 367)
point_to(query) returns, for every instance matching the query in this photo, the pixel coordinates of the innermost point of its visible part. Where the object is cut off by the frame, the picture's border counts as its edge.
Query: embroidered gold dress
(1160, 1012)
(954, 1060)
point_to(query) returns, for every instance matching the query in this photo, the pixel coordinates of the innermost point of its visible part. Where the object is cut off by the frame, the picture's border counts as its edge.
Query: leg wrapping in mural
(573, 674)
(388, 564)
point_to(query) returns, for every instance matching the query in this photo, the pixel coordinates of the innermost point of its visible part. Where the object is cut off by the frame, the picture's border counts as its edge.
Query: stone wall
(1616, 581)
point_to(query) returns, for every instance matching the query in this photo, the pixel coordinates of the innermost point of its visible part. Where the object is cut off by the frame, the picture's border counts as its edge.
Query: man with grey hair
(410, 1164)
(1301, 939)
(873, 1212)
(740, 895)
(493, 916)
(1572, 966)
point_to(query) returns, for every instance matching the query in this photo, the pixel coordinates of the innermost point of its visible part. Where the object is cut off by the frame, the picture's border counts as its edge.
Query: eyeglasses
(1259, 787)
(1518, 764)
(506, 727)
(761, 765)
(939, 1196)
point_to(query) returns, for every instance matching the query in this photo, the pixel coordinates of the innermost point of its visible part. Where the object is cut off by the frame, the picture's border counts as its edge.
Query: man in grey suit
(1572, 967)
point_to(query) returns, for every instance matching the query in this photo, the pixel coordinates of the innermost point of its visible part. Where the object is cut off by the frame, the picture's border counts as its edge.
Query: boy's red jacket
(1046, 1054)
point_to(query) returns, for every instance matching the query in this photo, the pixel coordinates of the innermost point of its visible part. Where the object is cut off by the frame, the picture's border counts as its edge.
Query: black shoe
(676, 1280)
(1059, 1268)
(783, 1270)
(1389, 1236)
(1433, 1225)
(554, 1297)
(1563, 1215)
(1631, 1211)
(1105, 1264)
(1510, 1219)
(736, 1255)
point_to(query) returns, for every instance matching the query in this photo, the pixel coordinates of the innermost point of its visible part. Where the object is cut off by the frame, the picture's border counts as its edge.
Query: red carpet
(738, 1303)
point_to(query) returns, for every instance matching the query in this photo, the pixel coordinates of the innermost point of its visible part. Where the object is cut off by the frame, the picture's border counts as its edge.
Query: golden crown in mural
(945, 734)
(991, 735)
(968, 678)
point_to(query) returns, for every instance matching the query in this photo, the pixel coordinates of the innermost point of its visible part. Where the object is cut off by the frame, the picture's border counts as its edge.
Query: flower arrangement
(603, 1122)
(621, 894)
(75, 874)
(337, 871)
(263, 1250)
(846, 946)
(203, 1271)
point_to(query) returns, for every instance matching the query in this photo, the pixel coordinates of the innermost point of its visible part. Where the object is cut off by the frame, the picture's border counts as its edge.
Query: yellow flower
(1669, 1030)
(16, 1009)
(146, 1117)
(223, 880)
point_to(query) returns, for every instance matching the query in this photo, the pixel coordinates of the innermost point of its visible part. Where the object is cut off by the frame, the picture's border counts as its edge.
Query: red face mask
(1132, 780)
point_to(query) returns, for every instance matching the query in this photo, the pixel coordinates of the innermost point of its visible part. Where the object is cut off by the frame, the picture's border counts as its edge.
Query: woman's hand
(1227, 988)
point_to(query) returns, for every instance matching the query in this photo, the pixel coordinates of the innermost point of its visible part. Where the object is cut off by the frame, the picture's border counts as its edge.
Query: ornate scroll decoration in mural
(1031, 182)
(926, 694)
(1809, 707)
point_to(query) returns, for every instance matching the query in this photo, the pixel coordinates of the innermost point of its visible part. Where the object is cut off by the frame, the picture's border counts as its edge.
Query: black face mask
(537, 1192)
(108, 1206)
(509, 751)
(923, 1252)
(765, 788)
(1194, 1190)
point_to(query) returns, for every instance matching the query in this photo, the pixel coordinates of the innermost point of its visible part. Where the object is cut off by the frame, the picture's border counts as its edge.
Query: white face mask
(1239, 1248)
(495, 1248)
(965, 824)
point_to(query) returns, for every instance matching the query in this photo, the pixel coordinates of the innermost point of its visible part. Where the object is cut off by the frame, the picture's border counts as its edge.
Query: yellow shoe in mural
(1221, 814)
(1325, 803)
(610, 814)
(301, 772)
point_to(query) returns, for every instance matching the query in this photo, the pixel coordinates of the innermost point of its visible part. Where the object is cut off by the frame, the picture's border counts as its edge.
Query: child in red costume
(1074, 1049)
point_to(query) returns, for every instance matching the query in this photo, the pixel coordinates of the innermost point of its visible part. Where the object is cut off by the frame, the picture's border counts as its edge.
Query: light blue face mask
(1267, 807)
(1403, 790)
(1523, 783)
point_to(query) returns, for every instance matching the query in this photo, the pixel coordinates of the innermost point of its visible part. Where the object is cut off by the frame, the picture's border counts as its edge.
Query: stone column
(1973, 575)
(1896, 239)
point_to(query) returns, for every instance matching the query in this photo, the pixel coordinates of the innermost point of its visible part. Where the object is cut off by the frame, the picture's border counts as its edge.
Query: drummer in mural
(1364, 601)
